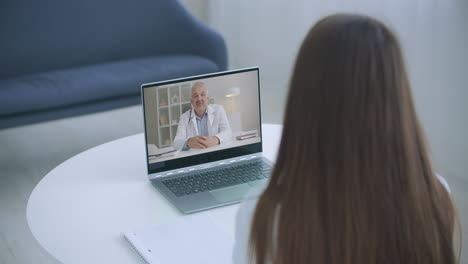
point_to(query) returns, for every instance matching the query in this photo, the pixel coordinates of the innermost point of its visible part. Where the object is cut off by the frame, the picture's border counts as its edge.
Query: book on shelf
(246, 134)
(155, 152)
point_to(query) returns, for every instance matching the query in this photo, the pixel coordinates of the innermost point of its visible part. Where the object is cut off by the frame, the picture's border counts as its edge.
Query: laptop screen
(201, 119)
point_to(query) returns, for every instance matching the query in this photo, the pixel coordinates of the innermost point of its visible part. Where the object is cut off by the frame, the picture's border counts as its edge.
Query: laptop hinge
(204, 166)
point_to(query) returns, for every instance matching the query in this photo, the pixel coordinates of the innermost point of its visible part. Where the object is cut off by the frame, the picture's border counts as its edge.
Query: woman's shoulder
(250, 202)
(248, 205)
(444, 182)
(243, 223)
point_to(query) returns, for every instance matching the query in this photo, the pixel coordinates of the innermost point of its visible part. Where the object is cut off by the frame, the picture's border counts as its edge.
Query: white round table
(79, 210)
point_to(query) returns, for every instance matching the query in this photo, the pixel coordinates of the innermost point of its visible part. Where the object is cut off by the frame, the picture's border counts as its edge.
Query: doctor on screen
(204, 125)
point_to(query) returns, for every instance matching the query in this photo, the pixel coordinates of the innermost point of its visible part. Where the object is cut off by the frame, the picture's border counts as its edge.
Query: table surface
(79, 210)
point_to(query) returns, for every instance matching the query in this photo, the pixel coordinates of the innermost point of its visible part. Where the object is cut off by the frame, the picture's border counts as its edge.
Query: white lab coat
(218, 125)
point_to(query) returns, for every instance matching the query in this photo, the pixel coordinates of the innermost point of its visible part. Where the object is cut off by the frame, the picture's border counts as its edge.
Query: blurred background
(267, 34)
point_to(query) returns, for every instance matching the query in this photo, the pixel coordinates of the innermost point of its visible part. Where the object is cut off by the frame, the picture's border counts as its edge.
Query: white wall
(434, 36)
(433, 33)
(246, 103)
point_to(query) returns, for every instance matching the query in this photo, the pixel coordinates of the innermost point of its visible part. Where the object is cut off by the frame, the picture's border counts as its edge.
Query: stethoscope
(190, 116)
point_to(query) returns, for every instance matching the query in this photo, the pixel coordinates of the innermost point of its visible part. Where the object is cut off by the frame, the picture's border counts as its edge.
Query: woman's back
(353, 182)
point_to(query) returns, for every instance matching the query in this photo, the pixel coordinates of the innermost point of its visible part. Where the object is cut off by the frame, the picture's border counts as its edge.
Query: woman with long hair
(353, 181)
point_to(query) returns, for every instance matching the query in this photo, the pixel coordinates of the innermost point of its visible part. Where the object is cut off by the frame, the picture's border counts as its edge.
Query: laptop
(204, 138)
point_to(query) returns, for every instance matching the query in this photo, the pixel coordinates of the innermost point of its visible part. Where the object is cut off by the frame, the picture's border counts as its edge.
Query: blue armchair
(61, 58)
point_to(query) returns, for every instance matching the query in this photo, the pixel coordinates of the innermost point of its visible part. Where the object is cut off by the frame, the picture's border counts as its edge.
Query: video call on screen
(201, 115)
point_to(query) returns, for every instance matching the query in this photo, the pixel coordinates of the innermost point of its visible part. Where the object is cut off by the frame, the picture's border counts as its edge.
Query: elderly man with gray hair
(204, 125)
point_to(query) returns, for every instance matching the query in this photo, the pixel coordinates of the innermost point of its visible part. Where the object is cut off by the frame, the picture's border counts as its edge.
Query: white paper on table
(192, 238)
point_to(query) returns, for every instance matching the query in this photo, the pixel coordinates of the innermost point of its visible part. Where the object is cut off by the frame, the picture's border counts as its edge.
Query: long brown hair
(353, 182)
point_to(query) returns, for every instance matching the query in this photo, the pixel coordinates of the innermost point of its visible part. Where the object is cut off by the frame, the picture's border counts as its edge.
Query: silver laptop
(204, 138)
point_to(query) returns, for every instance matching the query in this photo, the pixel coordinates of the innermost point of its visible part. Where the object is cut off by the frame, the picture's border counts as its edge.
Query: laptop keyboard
(215, 179)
